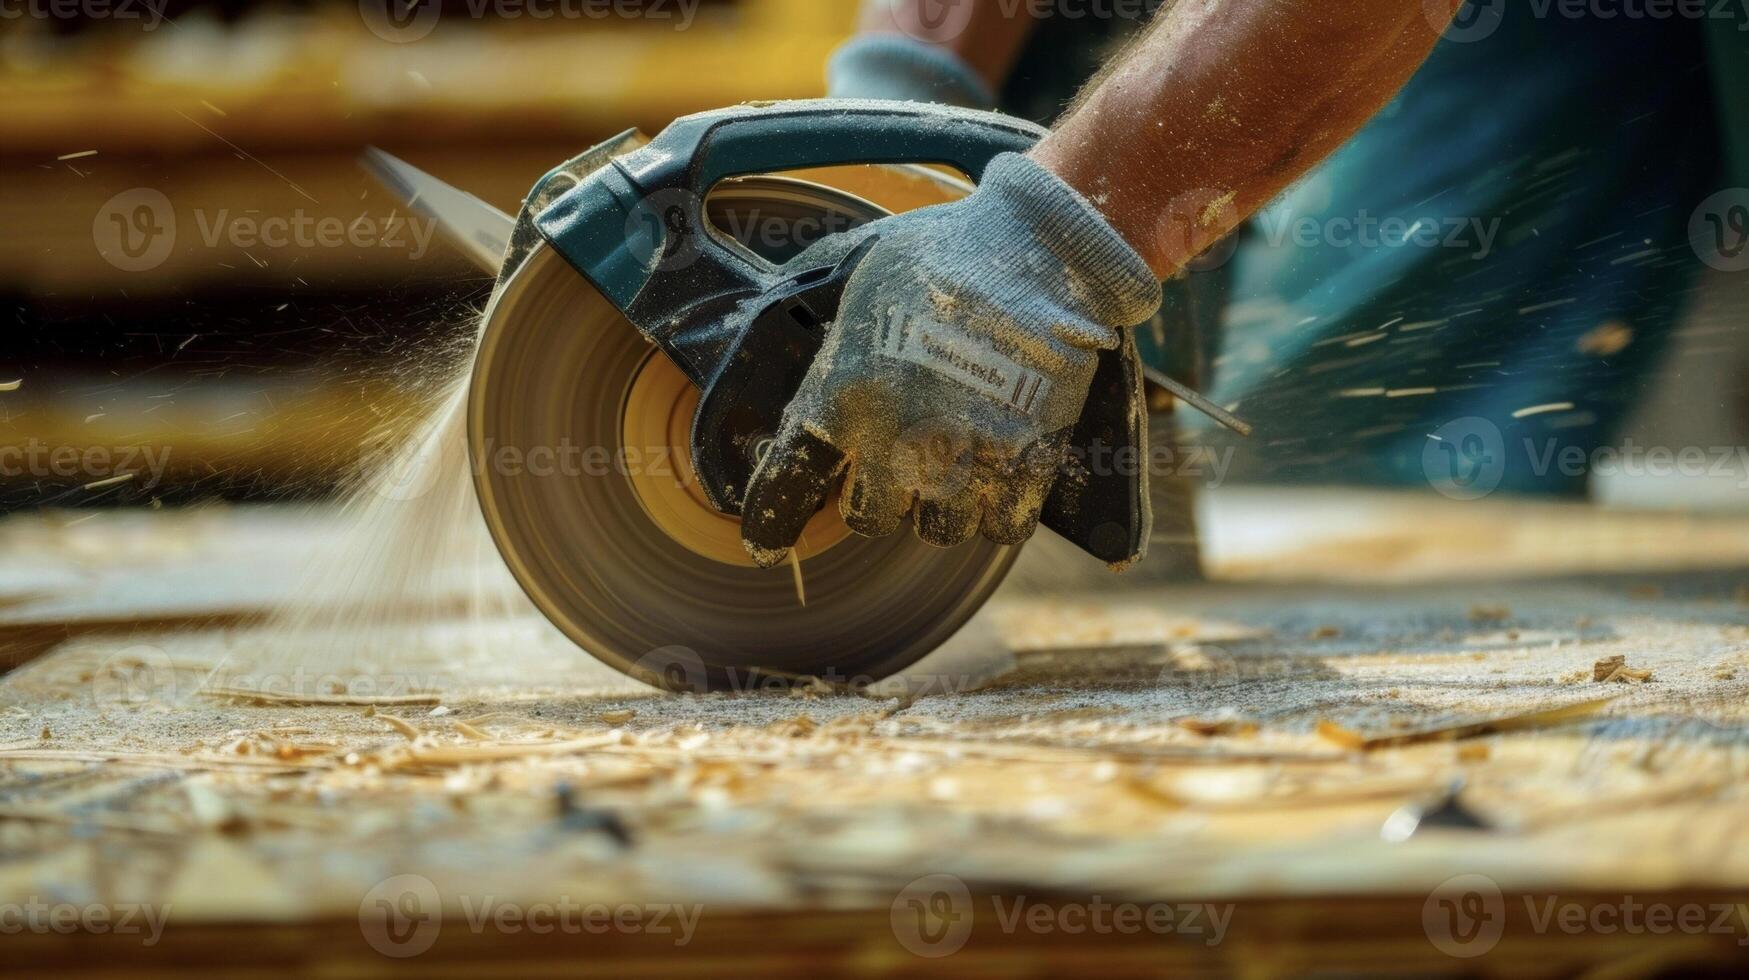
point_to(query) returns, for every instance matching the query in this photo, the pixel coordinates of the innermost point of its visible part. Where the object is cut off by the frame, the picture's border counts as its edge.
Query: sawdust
(1615, 669)
(411, 547)
(1490, 614)
(1607, 339)
(1146, 739)
(1350, 739)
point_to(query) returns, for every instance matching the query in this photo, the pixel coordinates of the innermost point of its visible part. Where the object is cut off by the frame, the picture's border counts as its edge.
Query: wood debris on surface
(310, 700)
(1461, 730)
(1615, 669)
(1139, 741)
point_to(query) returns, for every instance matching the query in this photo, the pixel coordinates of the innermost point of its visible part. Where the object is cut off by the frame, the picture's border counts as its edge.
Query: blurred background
(192, 261)
(201, 287)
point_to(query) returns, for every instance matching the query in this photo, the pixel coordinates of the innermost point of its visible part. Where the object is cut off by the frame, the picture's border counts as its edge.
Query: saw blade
(479, 230)
(557, 370)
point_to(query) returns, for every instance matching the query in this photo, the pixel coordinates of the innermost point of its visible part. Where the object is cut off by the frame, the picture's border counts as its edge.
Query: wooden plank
(1145, 743)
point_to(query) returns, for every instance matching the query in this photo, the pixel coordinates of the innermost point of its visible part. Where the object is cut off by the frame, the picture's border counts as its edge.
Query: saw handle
(831, 132)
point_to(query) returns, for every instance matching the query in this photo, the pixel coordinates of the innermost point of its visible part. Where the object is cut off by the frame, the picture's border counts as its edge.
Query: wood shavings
(1349, 739)
(1615, 670)
(319, 700)
(801, 726)
(1474, 752)
(1211, 728)
(147, 759)
(1543, 409)
(210, 810)
(470, 732)
(1489, 614)
(402, 725)
(108, 482)
(1606, 339)
(461, 755)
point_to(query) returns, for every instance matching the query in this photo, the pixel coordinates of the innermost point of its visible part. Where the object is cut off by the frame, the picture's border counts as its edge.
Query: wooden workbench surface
(1234, 741)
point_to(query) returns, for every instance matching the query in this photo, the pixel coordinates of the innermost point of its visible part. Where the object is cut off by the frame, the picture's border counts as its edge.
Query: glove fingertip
(786, 490)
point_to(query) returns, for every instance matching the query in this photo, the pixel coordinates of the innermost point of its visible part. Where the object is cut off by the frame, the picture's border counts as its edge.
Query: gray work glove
(958, 365)
(902, 69)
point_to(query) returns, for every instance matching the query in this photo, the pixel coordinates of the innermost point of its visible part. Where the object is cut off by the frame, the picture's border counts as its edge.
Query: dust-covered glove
(958, 365)
(903, 69)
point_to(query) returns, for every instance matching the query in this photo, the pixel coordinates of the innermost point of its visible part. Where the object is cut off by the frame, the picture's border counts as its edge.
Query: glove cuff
(903, 69)
(1121, 288)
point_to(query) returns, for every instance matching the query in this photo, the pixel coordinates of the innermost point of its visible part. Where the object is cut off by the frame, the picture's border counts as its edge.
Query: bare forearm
(1223, 104)
(986, 34)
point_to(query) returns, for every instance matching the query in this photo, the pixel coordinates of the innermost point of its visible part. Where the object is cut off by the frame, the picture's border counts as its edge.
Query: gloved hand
(959, 363)
(903, 69)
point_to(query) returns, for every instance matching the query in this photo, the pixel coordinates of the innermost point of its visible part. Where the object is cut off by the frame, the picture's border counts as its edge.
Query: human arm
(1221, 105)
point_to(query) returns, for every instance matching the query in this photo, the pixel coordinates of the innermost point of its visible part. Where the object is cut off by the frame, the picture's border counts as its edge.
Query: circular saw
(639, 348)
